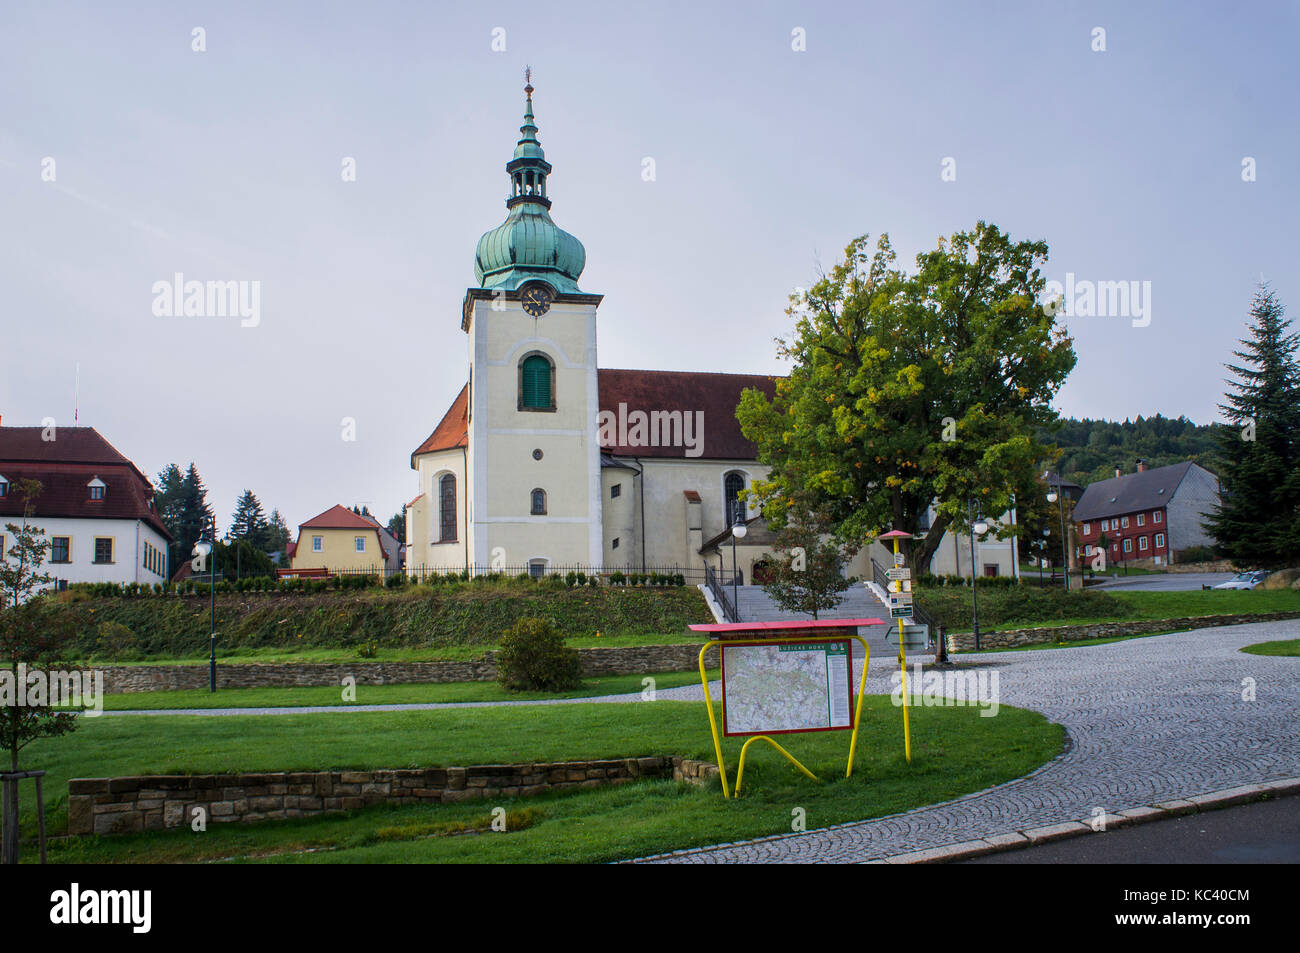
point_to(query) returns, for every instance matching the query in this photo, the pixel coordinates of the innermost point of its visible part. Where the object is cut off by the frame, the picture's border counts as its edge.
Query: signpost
(900, 608)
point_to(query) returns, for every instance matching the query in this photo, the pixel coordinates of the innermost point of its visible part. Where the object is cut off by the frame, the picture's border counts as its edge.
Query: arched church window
(539, 502)
(733, 505)
(447, 508)
(536, 383)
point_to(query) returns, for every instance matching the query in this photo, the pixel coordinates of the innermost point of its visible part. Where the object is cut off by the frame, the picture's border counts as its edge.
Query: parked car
(1243, 580)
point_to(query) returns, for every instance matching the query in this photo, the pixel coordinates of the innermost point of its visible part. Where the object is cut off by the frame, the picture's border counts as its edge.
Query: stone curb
(1016, 840)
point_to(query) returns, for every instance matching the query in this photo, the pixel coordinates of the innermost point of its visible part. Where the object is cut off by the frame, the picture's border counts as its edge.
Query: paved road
(1166, 582)
(1150, 720)
(1263, 833)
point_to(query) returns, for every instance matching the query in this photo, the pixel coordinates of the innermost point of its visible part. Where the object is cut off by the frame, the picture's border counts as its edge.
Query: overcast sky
(226, 164)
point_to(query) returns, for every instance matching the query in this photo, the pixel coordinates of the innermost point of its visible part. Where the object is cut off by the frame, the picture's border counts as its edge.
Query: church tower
(533, 456)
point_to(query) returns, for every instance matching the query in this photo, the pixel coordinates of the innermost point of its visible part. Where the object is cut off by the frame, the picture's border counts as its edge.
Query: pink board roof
(768, 626)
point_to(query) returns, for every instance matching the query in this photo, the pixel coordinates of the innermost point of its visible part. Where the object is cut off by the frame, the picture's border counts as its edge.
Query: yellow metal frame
(713, 721)
(902, 664)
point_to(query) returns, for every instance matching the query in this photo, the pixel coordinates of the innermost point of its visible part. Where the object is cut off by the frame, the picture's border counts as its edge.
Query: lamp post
(738, 531)
(1057, 496)
(1047, 531)
(207, 548)
(978, 528)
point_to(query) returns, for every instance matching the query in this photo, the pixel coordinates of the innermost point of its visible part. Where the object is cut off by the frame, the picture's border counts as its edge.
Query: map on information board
(773, 688)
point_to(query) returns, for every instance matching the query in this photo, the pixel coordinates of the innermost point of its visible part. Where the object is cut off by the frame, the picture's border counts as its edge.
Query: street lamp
(979, 527)
(1054, 496)
(738, 531)
(1042, 558)
(207, 549)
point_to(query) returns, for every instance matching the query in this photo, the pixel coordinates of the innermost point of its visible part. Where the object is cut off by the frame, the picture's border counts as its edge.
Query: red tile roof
(715, 395)
(65, 465)
(338, 517)
(452, 431)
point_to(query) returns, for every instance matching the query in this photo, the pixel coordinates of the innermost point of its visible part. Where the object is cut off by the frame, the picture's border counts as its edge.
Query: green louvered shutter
(537, 383)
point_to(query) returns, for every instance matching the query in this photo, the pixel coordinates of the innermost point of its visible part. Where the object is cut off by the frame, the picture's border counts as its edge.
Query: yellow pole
(902, 661)
(713, 722)
(857, 711)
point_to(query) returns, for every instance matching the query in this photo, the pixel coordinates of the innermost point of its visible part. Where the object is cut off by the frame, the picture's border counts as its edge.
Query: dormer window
(97, 488)
(4, 487)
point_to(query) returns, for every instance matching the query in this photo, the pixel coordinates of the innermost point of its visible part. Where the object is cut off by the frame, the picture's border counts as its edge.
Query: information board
(774, 688)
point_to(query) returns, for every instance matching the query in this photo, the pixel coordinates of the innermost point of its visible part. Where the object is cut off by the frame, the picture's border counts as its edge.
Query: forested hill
(1094, 448)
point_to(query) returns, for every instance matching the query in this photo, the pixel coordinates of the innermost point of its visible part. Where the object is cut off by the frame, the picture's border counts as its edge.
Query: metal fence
(603, 574)
(721, 591)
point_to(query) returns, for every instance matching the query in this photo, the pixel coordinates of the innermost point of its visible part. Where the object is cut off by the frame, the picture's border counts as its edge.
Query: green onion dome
(528, 246)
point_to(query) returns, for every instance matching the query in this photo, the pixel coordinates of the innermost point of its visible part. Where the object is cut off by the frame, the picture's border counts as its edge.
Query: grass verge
(955, 752)
(1289, 648)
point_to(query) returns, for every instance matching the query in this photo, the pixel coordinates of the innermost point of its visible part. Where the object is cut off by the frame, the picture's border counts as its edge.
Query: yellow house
(340, 540)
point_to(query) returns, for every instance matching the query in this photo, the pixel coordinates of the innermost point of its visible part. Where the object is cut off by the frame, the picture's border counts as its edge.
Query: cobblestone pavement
(1149, 720)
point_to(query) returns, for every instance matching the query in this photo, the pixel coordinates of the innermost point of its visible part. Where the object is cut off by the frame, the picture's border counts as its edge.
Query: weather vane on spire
(528, 78)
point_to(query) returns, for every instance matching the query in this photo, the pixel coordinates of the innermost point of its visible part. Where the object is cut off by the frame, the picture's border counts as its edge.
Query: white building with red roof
(95, 506)
(546, 460)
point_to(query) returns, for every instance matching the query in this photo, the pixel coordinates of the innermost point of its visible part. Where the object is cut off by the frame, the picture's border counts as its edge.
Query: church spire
(528, 169)
(528, 246)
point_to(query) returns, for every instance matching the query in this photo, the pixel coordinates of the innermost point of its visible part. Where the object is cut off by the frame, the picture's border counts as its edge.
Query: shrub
(533, 657)
(117, 641)
(396, 581)
(367, 649)
(617, 579)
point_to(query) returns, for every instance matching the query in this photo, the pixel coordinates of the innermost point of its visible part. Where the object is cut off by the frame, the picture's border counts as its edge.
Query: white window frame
(1123, 522)
(1087, 528)
(1128, 544)
(318, 544)
(1160, 540)
(1142, 543)
(1155, 517)
(360, 542)
(1142, 519)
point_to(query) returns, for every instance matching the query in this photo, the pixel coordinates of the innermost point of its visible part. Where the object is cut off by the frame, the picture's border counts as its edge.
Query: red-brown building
(1150, 515)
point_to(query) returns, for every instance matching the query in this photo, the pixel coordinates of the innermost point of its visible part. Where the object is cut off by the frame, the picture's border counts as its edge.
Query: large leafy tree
(1257, 522)
(912, 389)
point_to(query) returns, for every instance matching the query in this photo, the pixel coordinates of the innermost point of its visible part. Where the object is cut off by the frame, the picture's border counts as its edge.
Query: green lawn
(410, 694)
(1288, 647)
(955, 751)
(1030, 607)
(430, 653)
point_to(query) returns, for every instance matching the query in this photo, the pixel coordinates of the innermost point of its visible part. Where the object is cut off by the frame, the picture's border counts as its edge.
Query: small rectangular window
(97, 492)
(1142, 519)
(318, 544)
(1128, 545)
(1123, 522)
(1087, 528)
(59, 549)
(4, 489)
(616, 490)
(103, 549)
(361, 544)
(614, 545)
(1142, 542)
(1155, 517)
(1160, 540)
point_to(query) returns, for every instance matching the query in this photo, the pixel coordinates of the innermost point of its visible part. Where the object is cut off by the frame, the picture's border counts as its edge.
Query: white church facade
(545, 460)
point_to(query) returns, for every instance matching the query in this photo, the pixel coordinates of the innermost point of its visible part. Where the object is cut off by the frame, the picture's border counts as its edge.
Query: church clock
(537, 299)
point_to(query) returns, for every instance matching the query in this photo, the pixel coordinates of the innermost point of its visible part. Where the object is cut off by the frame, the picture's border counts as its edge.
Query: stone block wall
(965, 641)
(159, 802)
(629, 660)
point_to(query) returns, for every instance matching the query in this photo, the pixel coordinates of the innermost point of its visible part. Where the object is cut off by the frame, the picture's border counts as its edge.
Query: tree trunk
(9, 847)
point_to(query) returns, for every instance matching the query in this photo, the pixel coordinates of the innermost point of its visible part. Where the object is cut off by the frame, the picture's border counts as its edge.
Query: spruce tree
(249, 522)
(1257, 521)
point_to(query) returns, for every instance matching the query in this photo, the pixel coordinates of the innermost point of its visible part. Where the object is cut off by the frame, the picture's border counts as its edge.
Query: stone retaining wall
(157, 802)
(629, 660)
(965, 641)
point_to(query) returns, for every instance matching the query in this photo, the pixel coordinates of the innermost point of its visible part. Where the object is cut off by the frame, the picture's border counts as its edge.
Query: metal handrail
(730, 612)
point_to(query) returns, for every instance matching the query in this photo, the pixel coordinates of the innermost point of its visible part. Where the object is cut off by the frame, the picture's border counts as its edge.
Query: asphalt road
(1267, 832)
(1166, 582)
